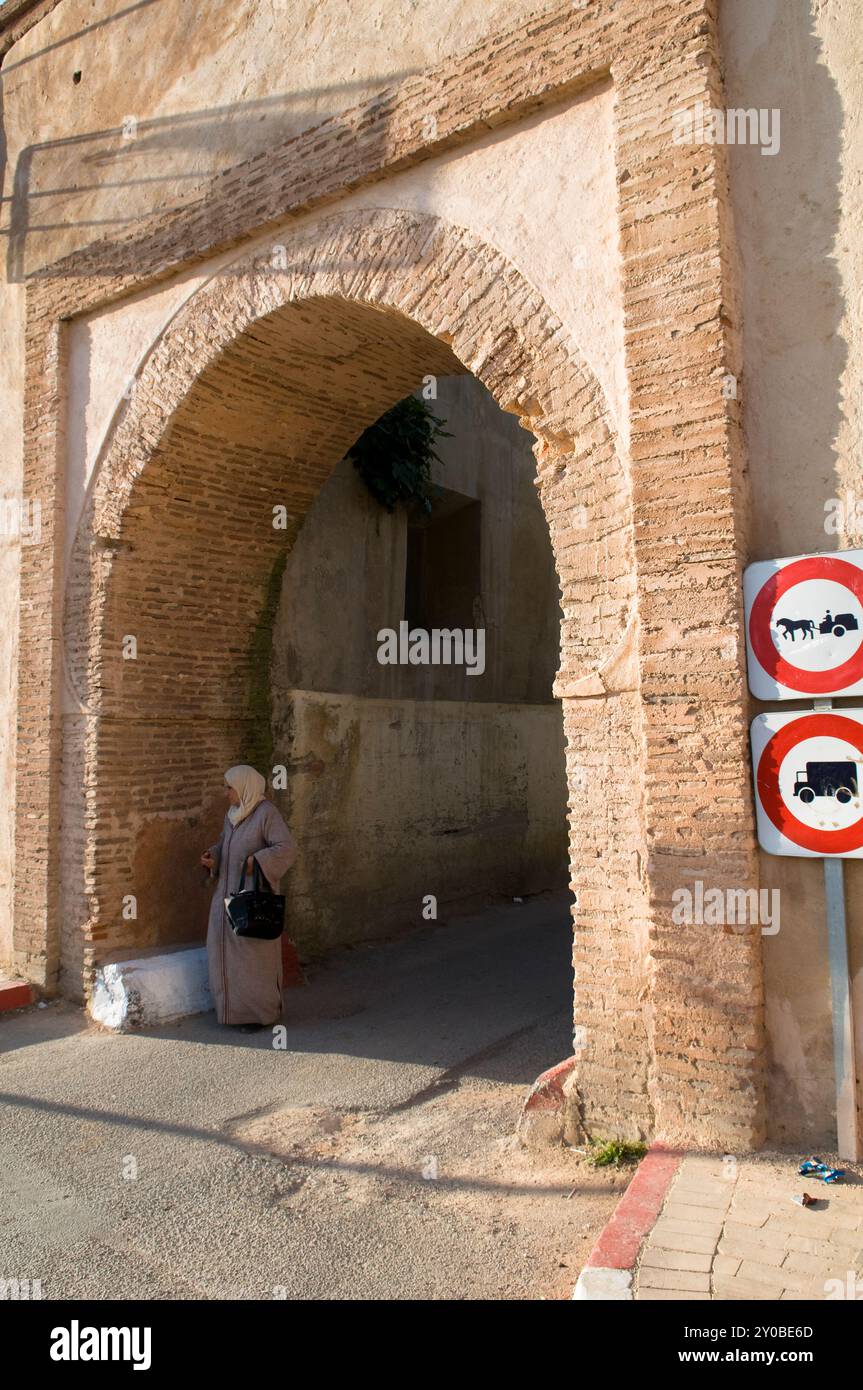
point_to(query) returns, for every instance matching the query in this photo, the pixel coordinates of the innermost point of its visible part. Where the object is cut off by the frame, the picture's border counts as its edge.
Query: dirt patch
(526, 1220)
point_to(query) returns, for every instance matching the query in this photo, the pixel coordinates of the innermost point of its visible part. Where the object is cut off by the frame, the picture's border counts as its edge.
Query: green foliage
(394, 455)
(605, 1151)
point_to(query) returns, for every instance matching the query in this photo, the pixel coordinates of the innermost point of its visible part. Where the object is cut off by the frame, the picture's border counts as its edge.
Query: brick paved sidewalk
(729, 1230)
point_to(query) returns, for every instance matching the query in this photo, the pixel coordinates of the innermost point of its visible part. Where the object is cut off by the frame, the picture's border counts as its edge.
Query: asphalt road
(371, 1159)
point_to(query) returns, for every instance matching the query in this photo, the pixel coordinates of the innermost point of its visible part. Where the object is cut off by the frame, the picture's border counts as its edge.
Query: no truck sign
(804, 626)
(808, 782)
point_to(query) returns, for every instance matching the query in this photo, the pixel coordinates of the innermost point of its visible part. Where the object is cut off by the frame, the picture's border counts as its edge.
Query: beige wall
(510, 189)
(209, 86)
(800, 236)
(345, 576)
(396, 799)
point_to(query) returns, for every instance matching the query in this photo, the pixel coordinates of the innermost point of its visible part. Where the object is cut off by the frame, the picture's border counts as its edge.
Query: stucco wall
(523, 191)
(345, 576)
(799, 232)
(396, 799)
(503, 187)
(207, 85)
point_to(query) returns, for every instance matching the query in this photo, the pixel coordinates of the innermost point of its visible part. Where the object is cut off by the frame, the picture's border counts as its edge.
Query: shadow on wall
(787, 211)
(136, 166)
(56, 183)
(787, 215)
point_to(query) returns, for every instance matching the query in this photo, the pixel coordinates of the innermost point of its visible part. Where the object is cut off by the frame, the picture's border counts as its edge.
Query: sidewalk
(729, 1230)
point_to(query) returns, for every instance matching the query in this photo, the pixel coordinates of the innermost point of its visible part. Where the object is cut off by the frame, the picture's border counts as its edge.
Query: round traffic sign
(834, 784)
(821, 667)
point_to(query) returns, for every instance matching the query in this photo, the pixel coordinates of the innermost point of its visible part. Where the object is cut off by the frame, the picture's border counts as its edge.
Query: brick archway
(400, 285)
(674, 708)
(247, 401)
(672, 1017)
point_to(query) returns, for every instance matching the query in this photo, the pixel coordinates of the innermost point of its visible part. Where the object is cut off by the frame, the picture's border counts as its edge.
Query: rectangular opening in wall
(442, 566)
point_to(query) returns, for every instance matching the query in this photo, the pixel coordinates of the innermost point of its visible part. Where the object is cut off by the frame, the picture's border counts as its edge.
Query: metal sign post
(844, 1060)
(843, 1013)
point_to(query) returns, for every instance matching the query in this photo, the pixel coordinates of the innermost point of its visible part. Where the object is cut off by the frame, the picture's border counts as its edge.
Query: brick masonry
(651, 676)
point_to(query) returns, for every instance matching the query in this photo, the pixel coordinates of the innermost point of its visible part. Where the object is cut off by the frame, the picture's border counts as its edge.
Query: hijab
(250, 786)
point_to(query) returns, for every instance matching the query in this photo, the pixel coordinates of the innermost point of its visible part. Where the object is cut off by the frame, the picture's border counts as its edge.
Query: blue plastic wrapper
(815, 1168)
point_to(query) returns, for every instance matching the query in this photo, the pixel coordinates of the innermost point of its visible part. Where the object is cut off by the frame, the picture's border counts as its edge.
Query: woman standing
(245, 972)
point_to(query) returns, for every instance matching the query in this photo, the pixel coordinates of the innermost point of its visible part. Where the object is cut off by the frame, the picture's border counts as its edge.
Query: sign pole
(843, 1013)
(844, 1064)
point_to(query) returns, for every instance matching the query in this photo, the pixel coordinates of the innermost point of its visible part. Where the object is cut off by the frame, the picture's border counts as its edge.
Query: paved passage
(730, 1230)
(372, 1158)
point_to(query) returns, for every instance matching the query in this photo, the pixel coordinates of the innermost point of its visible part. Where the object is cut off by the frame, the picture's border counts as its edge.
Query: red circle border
(782, 671)
(779, 745)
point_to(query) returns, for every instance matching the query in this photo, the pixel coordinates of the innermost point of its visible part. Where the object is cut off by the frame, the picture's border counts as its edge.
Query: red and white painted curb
(611, 1263)
(542, 1115)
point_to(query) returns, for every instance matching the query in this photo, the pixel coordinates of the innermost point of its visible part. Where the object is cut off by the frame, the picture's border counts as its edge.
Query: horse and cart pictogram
(837, 627)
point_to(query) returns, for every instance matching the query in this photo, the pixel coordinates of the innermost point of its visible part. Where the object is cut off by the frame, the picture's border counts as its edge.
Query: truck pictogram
(827, 779)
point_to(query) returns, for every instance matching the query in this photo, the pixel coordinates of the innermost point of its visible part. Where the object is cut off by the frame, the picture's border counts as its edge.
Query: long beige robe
(246, 974)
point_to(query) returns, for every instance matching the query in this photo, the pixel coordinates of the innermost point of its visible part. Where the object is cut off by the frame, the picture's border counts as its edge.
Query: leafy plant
(394, 455)
(603, 1152)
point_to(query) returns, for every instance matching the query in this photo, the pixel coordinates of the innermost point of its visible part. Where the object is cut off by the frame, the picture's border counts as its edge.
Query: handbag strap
(258, 879)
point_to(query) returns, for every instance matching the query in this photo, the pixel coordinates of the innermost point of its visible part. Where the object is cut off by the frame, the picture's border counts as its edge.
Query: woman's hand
(207, 860)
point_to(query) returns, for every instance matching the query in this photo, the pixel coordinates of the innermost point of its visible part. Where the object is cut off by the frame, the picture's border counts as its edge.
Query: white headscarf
(249, 786)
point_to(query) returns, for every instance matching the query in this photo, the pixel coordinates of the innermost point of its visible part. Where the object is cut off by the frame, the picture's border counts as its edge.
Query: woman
(246, 973)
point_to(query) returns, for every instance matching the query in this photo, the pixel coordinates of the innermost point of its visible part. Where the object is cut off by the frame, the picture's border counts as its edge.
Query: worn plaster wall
(460, 800)
(345, 577)
(168, 94)
(413, 780)
(798, 220)
(523, 191)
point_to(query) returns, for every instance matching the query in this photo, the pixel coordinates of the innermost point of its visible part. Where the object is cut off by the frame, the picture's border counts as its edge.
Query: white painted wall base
(156, 989)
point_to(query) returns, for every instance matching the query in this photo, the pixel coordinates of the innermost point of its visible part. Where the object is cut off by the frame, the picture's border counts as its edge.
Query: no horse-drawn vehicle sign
(804, 625)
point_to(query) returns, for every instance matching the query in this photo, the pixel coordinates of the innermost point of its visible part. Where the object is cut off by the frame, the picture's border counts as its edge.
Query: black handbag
(258, 911)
